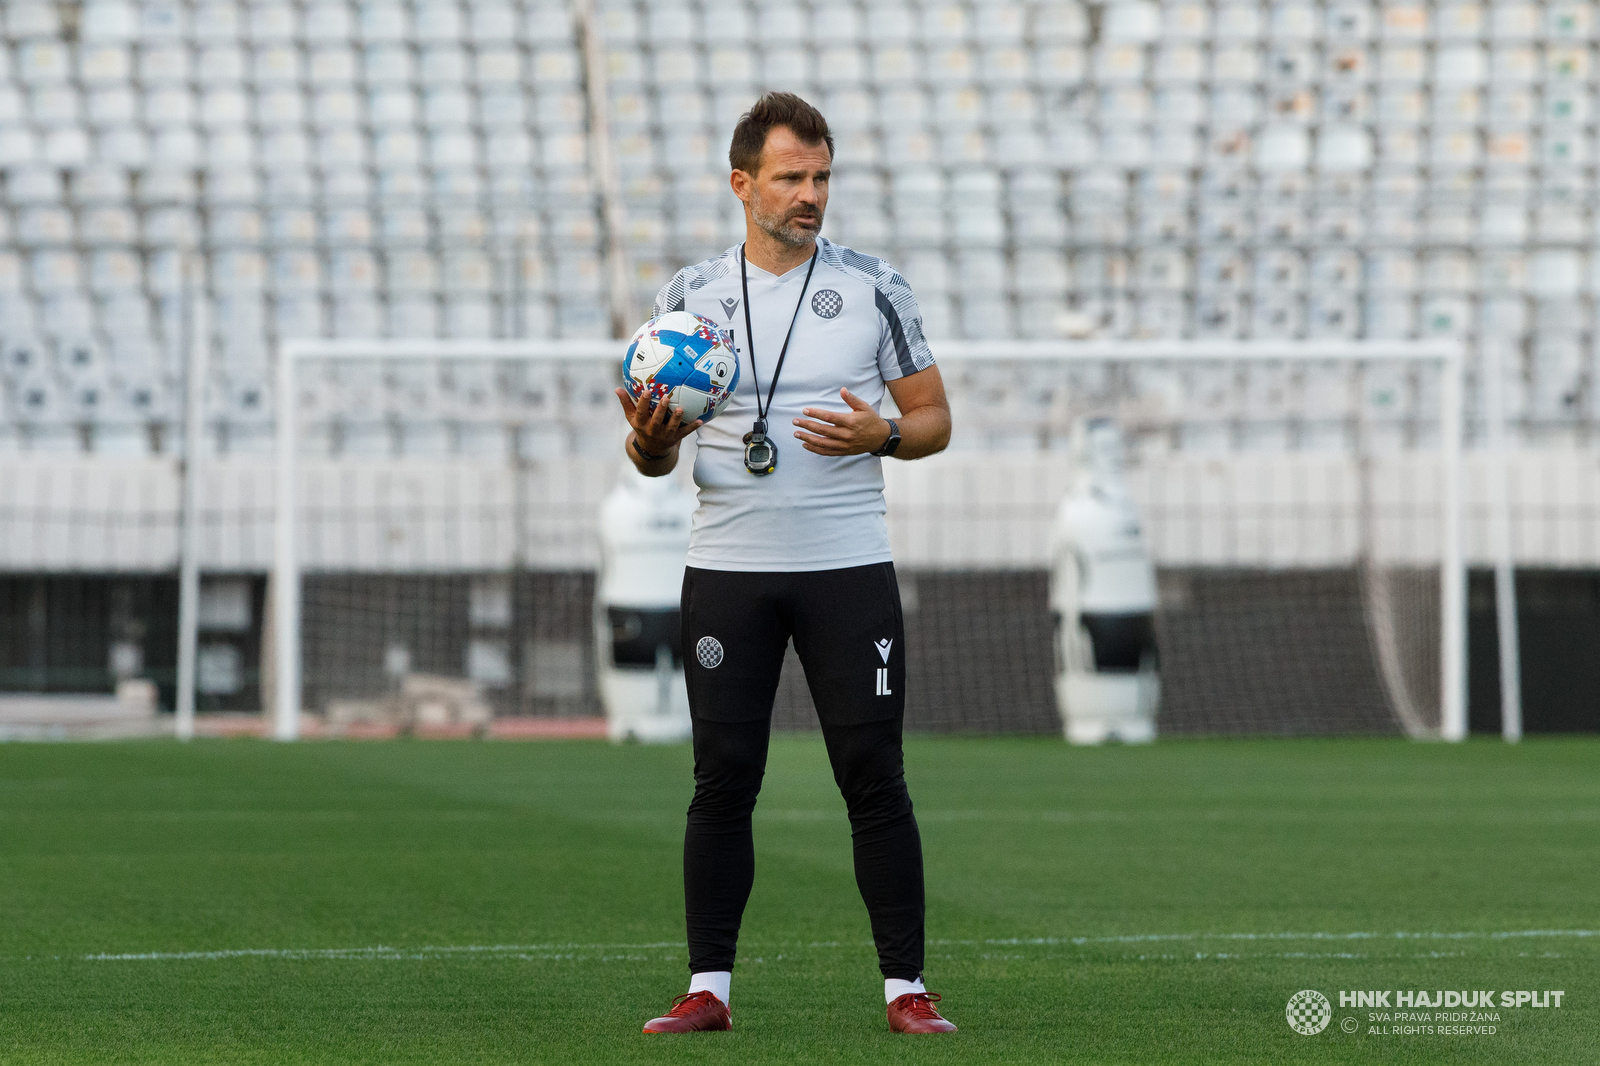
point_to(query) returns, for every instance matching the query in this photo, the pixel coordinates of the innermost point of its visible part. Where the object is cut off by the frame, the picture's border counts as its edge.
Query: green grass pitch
(457, 902)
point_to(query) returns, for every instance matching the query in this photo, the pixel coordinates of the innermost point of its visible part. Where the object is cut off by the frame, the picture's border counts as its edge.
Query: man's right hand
(657, 431)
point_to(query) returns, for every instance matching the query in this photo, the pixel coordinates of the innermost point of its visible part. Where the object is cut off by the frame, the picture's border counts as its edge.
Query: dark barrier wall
(1558, 616)
(980, 647)
(58, 632)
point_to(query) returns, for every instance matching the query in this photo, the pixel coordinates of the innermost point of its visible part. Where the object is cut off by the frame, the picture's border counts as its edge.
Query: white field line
(926, 817)
(1190, 813)
(1146, 937)
(378, 952)
(567, 950)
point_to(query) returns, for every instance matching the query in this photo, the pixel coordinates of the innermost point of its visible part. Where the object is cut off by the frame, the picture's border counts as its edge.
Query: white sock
(714, 981)
(894, 988)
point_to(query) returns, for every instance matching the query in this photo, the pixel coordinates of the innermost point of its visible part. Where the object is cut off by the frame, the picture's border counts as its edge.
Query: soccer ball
(684, 359)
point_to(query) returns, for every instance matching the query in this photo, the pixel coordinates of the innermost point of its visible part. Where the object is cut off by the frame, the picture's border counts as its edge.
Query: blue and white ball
(684, 359)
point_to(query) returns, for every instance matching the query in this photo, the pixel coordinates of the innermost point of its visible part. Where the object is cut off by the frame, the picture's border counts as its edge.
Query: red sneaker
(692, 1012)
(914, 1013)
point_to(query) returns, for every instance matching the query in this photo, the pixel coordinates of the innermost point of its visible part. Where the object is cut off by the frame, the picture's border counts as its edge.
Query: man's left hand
(854, 432)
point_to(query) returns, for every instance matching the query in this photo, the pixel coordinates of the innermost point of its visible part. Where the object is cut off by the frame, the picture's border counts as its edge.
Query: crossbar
(1446, 353)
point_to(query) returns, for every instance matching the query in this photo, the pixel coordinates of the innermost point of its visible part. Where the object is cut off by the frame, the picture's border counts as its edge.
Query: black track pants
(848, 633)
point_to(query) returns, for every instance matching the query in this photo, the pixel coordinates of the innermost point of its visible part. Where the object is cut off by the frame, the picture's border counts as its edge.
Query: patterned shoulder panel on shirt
(690, 278)
(896, 303)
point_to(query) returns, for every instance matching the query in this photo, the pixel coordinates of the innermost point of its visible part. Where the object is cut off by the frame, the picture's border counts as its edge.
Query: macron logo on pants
(883, 647)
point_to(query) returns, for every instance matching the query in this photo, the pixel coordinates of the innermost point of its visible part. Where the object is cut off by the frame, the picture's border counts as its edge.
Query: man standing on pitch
(789, 542)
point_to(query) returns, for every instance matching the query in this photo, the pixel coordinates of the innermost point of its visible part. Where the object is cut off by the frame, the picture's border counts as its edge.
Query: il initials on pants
(883, 682)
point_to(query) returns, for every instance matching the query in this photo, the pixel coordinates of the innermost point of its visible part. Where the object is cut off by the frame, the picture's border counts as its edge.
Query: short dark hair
(775, 109)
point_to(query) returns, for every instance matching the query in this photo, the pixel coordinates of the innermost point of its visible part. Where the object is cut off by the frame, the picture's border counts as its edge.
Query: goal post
(444, 473)
(1358, 429)
(287, 567)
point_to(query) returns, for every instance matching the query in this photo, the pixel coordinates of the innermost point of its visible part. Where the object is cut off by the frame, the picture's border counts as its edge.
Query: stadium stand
(1037, 169)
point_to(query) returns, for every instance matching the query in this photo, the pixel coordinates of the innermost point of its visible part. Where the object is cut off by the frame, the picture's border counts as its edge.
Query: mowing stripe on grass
(563, 950)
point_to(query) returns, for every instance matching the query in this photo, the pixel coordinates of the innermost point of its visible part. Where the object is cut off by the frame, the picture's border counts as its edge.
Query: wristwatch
(646, 456)
(893, 442)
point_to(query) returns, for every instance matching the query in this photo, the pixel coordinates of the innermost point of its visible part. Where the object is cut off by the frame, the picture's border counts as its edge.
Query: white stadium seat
(670, 25)
(557, 111)
(384, 63)
(65, 311)
(356, 316)
(987, 318)
(163, 63)
(286, 107)
(724, 22)
(162, 19)
(392, 106)
(176, 146)
(1185, 22)
(452, 149)
(327, 22)
(402, 227)
(106, 65)
(292, 227)
(839, 67)
(34, 185)
(232, 186)
(469, 316)
(449, 106)
(330, 66)
(225, 108)
(220, 64)
(1000, 23)
(837, 24)
(781, 24)
(550, 25)
(273, 22)
(946, 23)
(442, 64)
(108, 20)
(124, 146)
(381, 21)
(498, 67)
(492, 22)
(296, 272)
(237, 227)
(558, 67)
(217, 20)
(1132, 20)
(44, 226)
(438, 20)
(298, 315)
(1060, 22)
(100, 184)
(32, 18)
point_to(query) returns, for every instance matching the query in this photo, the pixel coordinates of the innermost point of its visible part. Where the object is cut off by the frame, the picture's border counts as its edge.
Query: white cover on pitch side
(644, 538)
(1099, 561)
(1100, 565)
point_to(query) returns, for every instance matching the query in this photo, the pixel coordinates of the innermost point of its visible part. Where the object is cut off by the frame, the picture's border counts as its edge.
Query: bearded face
(796, 225)
(787, 193)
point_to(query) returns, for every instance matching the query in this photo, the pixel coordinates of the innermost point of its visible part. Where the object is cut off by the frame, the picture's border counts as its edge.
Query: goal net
(1301, 501)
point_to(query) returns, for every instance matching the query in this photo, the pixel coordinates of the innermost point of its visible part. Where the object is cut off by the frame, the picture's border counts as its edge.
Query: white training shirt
(858, 328)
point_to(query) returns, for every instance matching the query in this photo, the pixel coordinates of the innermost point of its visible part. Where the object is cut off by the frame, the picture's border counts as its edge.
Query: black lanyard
(750, 339)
